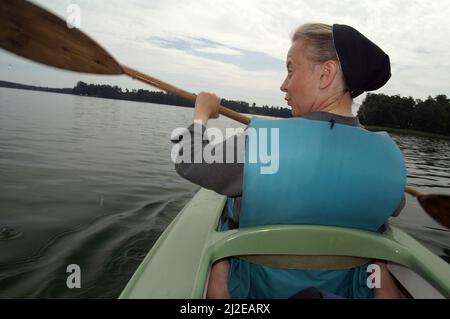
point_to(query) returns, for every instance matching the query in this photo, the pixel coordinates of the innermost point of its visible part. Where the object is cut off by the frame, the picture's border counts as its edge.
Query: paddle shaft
(181, 93)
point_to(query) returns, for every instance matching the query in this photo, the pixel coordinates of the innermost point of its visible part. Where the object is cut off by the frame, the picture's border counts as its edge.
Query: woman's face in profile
(302, 81)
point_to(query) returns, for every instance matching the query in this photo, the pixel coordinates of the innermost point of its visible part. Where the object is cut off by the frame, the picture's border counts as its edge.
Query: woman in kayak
(327, 67)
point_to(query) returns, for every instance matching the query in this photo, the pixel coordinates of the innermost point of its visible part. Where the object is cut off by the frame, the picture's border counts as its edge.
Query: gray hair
(321, 47)
(320, 38)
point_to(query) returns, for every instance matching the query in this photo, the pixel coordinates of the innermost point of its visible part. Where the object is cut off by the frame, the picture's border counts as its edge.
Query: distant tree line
(244, 107)
(114, 92)
(13, 85)
(431, 115)
(158, 97)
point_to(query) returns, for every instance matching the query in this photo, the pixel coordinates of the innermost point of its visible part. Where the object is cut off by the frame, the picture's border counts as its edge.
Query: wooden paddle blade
(437, 206)
(36, 34)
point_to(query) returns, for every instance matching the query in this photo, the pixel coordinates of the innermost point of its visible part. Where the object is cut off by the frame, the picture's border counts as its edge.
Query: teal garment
(251, 281)
(335, 175)
(224, 226)
(317, 160)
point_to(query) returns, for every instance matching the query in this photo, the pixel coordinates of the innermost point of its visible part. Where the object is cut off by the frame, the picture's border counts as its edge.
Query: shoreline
(368, 127)
(406, 132)
(155, 97)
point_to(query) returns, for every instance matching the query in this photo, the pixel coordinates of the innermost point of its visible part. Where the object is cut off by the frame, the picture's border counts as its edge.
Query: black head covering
(365, 66)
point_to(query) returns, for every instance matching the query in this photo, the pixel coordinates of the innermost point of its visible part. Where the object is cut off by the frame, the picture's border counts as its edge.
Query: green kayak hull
(178, 264)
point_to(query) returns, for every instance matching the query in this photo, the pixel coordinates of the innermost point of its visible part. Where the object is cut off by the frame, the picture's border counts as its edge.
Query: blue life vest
(340, 176)
(328, 175)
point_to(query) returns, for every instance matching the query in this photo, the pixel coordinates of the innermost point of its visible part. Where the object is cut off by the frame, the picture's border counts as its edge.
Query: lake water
(90, 182)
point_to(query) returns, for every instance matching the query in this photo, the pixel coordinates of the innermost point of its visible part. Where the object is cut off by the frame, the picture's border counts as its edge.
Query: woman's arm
(220, 176)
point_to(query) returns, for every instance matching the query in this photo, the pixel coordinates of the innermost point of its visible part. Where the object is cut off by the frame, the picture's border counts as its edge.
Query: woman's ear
(329, 70)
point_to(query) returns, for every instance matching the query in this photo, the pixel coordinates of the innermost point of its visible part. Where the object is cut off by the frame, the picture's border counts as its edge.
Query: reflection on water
(83, 181)
(428, 166)
(89, 181)
(427, 160)
(7, 233)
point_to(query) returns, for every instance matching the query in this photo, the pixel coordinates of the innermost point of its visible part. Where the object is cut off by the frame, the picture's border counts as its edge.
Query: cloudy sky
(237, 48)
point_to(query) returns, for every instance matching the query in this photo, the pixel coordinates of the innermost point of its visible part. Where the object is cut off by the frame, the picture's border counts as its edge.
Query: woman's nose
(283, 86)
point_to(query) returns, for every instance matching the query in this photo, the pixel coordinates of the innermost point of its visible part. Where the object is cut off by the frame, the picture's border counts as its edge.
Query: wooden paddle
(436, 205)
(36, 34)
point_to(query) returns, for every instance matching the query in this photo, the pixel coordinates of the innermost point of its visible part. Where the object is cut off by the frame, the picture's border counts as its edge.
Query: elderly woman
(327, 67)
